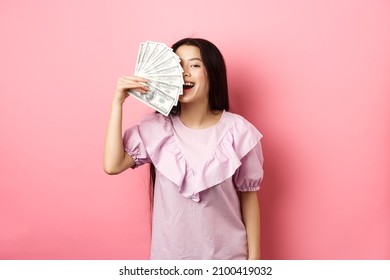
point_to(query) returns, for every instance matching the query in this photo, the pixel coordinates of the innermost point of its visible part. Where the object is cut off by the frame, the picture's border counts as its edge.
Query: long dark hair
(218, 85)
(216, 72)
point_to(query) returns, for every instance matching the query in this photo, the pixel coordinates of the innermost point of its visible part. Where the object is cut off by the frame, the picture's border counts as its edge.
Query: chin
(186, 97)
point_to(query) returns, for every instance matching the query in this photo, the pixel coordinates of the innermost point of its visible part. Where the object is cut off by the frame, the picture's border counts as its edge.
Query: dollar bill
(168, 89)
(173, 79)
(141, 53)
(157, 63)
(161, 66)
(157, 53)
(155, 99)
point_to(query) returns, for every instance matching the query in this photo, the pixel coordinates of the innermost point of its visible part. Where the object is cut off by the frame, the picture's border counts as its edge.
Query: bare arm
(116, 160)
(251, 216)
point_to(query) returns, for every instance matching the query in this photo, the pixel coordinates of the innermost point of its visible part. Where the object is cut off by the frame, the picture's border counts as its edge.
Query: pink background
(313, 76)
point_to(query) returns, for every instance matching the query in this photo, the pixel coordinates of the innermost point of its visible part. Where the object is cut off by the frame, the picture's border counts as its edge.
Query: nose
(186, 72)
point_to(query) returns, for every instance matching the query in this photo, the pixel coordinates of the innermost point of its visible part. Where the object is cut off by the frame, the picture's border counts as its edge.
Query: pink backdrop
(313, 76)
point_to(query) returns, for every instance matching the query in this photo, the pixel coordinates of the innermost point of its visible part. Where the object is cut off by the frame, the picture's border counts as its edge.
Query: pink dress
(196, 212)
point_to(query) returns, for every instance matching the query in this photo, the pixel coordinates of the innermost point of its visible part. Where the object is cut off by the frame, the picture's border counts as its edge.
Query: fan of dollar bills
(161, 67)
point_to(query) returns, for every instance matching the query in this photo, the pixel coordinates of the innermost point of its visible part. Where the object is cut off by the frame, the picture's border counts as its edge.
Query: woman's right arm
(116, 160)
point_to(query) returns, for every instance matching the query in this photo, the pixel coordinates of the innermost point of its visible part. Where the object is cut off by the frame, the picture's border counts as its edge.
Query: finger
(140, 79)
(130, 82)
(135, 79)
(137, 87)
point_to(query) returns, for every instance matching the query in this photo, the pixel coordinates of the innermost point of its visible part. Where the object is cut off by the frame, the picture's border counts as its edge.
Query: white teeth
(189, 84)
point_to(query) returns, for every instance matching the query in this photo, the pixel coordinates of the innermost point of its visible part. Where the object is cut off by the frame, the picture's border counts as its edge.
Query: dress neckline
(179, 122)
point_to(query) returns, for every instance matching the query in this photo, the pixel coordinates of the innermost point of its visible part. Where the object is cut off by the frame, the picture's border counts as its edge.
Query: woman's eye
(195, 65)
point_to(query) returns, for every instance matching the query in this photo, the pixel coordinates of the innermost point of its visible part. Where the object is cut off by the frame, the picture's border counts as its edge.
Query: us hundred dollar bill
(157, 100)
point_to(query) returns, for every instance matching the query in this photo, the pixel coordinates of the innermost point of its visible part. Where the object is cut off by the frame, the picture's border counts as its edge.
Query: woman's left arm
(251, 216)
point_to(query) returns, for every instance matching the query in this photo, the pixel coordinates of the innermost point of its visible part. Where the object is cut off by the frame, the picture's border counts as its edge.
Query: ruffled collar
(236, 137)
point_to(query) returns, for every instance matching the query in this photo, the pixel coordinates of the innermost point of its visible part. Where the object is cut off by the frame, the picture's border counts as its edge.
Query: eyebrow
(195, 58)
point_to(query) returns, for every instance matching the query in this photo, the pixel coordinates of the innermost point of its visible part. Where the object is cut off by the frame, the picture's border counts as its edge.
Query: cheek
(207, 83)
(205, 79)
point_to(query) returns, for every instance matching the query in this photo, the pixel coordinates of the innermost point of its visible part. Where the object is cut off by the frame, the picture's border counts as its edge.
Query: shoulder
(235, 118)
(239, 124)
(155, 121)
(155, 126)
(241, 134)
(153, 118)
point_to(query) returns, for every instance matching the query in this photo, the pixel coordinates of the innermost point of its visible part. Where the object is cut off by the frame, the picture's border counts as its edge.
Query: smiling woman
(192, 67)
(196, 87)
(313, 76)
(206, 163)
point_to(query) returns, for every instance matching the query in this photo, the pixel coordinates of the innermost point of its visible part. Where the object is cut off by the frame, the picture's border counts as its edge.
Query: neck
(198, 117)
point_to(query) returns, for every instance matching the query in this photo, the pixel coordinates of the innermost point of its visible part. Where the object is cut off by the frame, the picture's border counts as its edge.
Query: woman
(208, 163)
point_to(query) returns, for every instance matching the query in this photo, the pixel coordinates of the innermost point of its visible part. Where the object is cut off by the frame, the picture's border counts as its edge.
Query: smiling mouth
(188, 85)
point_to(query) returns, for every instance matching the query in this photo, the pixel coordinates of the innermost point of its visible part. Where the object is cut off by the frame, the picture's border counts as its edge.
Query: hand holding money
(127, 83)
(163, 77)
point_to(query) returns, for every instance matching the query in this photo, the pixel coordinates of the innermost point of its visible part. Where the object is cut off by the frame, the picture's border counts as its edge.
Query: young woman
(207, 163)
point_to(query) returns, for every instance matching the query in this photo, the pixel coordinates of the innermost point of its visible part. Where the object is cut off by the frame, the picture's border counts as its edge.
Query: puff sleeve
(250, 173)
(135, 147)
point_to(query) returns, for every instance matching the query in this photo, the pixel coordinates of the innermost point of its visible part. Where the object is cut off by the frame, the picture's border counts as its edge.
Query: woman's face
(196, 83)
